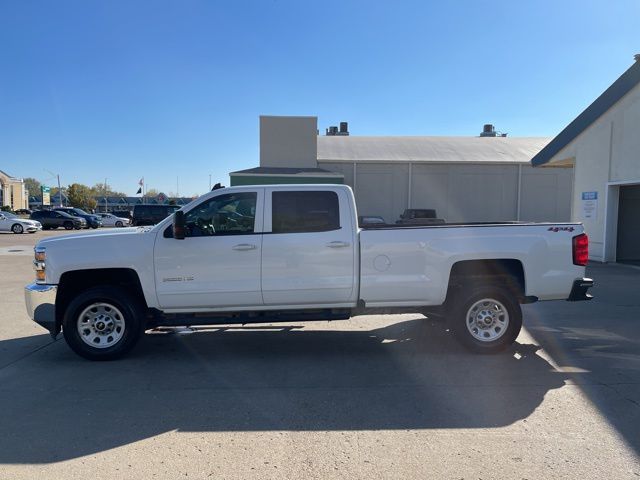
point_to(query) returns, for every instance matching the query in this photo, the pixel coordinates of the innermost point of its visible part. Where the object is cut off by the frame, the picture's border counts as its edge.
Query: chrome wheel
(17, 228)
(101, 325)
(487, 320)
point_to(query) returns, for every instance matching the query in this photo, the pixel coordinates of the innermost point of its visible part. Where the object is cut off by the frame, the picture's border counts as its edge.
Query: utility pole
(59, 190)
(105, 194)
(57, 175)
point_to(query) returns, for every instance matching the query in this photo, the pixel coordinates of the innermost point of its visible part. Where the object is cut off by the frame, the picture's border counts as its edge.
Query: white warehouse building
(603, 146)
(465, 179)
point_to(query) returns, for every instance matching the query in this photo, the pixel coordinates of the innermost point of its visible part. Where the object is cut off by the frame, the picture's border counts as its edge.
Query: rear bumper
(40, 301)
(579, 290)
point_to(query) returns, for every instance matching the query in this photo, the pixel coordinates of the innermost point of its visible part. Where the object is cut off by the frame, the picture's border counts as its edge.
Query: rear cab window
(305, 211)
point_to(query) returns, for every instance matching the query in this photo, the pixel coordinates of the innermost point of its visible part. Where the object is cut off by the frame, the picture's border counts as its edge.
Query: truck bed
(402, 265)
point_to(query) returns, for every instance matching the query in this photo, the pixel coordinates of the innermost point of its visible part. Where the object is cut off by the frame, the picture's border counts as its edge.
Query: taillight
(581, 249)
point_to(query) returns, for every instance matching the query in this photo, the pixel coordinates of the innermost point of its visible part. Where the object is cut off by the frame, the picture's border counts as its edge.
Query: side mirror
(178, 225)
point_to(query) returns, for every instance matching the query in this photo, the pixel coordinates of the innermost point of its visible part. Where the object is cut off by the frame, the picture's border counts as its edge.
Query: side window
(305, 211)
(231, 214)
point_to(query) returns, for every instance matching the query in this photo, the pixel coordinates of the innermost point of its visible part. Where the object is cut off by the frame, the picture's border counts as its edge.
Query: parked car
(294, 252)
(110, 220)
(54, 219)
(92, 220)
(151, 214)
(10, 222)
(419, 216)
(123, 214)
(23, 211)
(370, 220)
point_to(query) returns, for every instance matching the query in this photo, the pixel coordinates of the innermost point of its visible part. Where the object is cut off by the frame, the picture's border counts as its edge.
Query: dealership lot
(373, 397)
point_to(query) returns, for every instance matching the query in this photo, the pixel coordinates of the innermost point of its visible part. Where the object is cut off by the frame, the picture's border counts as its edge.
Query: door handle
(244, 246)
(338, 244)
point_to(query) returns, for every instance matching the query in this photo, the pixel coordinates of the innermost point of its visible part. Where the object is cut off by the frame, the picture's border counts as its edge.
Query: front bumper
(41, 305)
(579, 290)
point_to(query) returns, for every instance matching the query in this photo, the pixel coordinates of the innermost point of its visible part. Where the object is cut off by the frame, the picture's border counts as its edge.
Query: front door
(308, 251)
(217, 265)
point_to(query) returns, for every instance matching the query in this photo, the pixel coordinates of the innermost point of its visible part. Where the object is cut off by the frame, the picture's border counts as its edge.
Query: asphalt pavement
(374, 397)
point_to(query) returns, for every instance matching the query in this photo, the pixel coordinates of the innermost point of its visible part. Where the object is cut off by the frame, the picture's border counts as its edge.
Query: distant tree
(32, 185)
(152, 192)
(102, 190)
(80, 196)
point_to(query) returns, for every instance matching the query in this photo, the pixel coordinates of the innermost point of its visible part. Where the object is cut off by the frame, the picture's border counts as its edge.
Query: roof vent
(334, 131)
(490, 131)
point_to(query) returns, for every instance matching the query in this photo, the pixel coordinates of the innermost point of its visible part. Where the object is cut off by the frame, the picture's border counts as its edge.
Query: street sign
(46, 195)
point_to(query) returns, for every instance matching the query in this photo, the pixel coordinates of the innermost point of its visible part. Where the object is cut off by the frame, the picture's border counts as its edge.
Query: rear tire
(68, 225)
(103, 323)
(485, 319)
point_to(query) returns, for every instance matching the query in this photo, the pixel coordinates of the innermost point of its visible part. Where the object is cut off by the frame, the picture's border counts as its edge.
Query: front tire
(68, 225)
(486, 319)
(17, 228)
(103, 323)
(118, 224)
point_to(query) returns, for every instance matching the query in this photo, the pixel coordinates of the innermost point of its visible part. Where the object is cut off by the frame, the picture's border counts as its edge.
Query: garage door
(628, 248)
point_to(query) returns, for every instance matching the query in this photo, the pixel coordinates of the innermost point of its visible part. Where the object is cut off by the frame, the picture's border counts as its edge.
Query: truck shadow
(409, 375)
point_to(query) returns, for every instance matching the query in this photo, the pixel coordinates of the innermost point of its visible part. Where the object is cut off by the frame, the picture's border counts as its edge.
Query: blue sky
(165, 89)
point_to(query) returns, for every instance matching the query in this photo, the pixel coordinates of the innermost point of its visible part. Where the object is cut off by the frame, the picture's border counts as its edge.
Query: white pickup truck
(294, 253)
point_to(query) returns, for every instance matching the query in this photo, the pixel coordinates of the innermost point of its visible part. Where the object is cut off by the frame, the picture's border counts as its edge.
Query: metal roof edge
(301, 174)
(618, 89)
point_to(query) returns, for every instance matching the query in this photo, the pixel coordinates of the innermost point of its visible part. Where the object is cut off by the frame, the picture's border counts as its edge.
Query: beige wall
(605, 154)
(13, 192)
(545, 195)
(459, 193)
(288, 142)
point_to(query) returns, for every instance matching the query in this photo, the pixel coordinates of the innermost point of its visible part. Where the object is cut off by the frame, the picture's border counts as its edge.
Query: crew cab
(294, 253)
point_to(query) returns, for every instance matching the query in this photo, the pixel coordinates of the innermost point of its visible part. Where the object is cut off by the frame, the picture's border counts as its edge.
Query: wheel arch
(74, 282)
(506, 272)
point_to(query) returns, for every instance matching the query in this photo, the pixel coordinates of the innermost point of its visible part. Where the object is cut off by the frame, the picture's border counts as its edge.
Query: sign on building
(46, 195)
(590, 205)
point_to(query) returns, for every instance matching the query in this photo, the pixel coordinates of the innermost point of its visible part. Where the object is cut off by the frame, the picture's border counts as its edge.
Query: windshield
(9, 215)
(79, 211)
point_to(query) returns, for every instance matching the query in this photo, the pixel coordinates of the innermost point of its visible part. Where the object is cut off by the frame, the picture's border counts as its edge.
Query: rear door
(308, 249)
